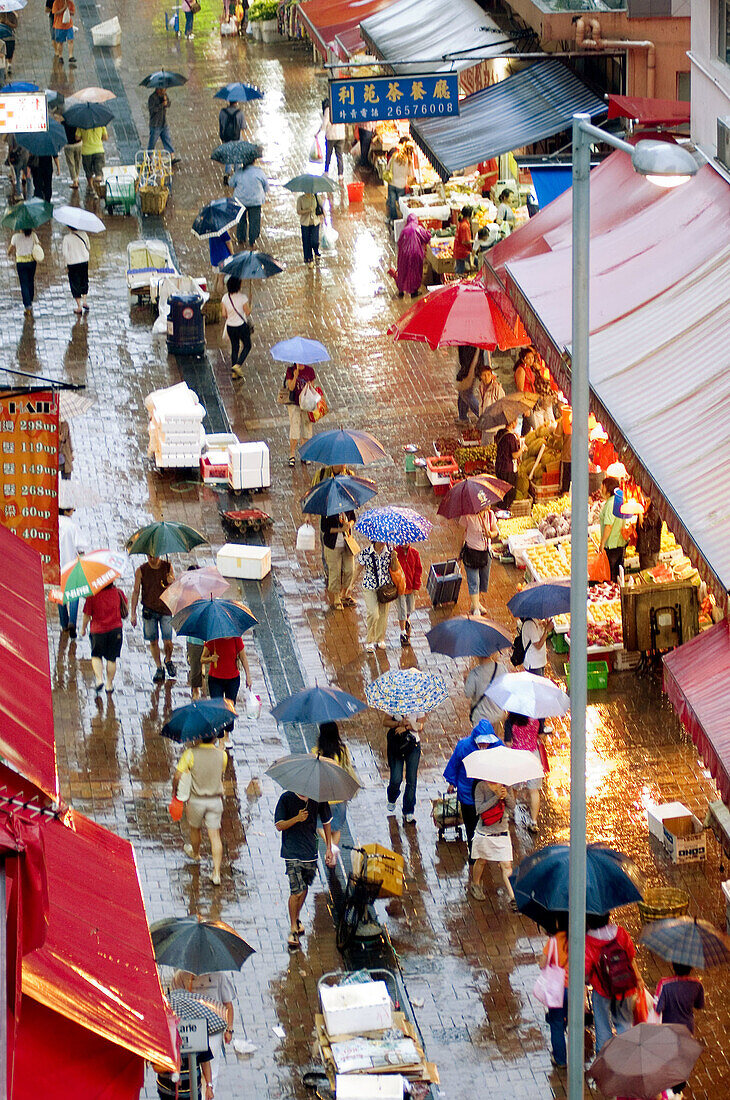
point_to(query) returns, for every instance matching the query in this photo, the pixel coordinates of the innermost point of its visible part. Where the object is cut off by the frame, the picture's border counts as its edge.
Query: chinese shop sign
(368, 99)
(29, 472)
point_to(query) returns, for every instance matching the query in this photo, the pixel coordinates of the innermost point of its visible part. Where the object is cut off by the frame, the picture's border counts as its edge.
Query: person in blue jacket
(481, 737)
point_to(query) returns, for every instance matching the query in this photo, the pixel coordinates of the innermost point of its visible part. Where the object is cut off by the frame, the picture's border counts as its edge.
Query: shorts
(195, 652)
(206, 811)
(63, 34)
(496, 848)
(300, 426)
(477, 580)
(108, 645)
(339, 815)
(93, 164)
(301, 874)
(151, 621)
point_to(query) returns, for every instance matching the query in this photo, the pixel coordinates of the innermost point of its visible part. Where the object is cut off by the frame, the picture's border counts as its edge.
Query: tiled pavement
(472, 965)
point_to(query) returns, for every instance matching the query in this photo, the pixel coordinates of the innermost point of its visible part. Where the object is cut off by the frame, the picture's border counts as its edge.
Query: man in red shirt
(463, 241)
(225, 656)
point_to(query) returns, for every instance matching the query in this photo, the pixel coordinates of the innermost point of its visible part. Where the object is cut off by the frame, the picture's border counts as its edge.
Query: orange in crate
(379, 864)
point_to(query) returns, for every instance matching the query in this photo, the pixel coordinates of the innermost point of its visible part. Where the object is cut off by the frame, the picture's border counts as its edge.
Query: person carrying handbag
(379, 592)
(28, 252)
(300, 426)
(555, 957)
(476, 555)
(236, 313)
(404, 755)
(310, 213)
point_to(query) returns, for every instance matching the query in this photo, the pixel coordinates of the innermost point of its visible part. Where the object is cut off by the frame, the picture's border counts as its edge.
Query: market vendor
(505, 213)
(471, 363)
(612, 538)
(649, 536)
(463, 241)
(509, 449)
(489, 169)
(401, 170)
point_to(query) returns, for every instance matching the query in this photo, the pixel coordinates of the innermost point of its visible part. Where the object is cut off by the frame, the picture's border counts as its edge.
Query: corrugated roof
(324, 19)
(528, 106)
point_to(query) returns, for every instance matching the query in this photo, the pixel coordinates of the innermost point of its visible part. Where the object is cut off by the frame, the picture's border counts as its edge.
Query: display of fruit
(604, 611)
(546, 562)
(555, 525)
(566, 550)
(515, 525)
(483, 455)
(442, 248)
(446, 445)
(669, 543)
(560, 507)
(470, 434)
(605, 637)
(607, 590)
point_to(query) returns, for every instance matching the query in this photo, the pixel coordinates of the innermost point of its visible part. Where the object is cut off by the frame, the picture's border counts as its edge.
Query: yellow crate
(383, 866)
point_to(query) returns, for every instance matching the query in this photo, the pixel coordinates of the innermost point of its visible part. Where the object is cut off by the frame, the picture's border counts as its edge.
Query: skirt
(78, 279)
(494, 848)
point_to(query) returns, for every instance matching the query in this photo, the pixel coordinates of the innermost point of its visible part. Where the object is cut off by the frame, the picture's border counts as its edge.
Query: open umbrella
(89, 573)
(251, 265)
(45, 143)
(309, 184)
(215, 218)
(526, 693)
(503, 765)
(465, 636)
(238, 93)
(341, 493)
(541, 600)
(54, 97)
(195, 584)
(196, 719)
(73, 403)
(27, 215)
(342, 447)
(406, 691)
(472, 495)
(90, 95)
(317, 704)
(198, 946)
(612, 879)
(394, 525)
(21, 86)
(690, 942)
(314, 777)
(240, 153)
(298, 349)
(211, 619)
(75, 217)
(646, 1059)
(12, 5)
(191, 1006)
(463, 312)
(164, 537)
(506, 409)
(163, 78)
(87, 116)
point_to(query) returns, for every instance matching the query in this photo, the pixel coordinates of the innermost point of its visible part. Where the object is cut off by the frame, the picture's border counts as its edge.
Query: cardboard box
(369, 1086)
(356, 1009)
(249, 466)
(687, 845)
(236, 559)
(670, 813)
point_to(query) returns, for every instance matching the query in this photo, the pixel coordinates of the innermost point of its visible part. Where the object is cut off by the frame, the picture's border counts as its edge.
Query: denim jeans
(251, 220)
(338, 148)
(68, 613)
(189, 17)
(161, 133)
(240, 337)
(394, 193)
(477, 580)
(397, 765)
(467, 400)
(26, 278)
(622, 1017)
(310, 241)
(558, 1020)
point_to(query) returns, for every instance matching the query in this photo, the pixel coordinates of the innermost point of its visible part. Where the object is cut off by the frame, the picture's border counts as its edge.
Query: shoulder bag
(397, 575)
(123, 605)
(286, 396)
(387, 591)
(403, 741)
(550, 985)
(38, 253)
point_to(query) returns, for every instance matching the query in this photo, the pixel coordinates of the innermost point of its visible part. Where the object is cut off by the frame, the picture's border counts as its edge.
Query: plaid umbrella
(394, 525)
(406, 691)
(690, 942)
(190, 1006)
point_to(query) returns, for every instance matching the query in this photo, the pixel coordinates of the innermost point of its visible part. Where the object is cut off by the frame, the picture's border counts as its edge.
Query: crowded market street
(468, 966)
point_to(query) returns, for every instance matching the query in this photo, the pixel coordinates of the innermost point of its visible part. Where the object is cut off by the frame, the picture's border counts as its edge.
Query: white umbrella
(75, 217)
(525, 693)
(89, 95)
(503, 765)
(12, 5)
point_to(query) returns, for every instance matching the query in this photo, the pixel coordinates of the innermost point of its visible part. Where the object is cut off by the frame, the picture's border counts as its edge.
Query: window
(683, 87)
(724, 29)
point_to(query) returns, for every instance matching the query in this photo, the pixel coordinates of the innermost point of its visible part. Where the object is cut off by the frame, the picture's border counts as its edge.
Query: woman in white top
(236, 312)
(400, 166)
(76, 252)
(476, 555)
(334, 140)
(22, 245)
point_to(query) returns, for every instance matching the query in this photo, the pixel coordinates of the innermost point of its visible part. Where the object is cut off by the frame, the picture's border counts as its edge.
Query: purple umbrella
(473, 495)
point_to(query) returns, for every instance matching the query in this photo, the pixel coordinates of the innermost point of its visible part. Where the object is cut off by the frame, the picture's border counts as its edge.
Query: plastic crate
(120, 191)
(444, 582)
(597, 675)
(560, 645)
(381, 865)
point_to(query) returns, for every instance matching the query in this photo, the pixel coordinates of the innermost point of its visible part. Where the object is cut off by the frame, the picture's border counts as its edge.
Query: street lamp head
(663, 163)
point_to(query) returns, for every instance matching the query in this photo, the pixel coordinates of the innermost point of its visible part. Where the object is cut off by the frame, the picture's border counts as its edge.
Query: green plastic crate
(597, 675)
(560, 645)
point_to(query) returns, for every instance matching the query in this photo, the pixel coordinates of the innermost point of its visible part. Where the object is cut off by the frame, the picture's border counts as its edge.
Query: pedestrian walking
(49, 13)
(65, 450)
(492, 842)
(300, 426)
(76, 251)
(476, 555)
(27, 250)
(92, 153)
(295, 818)
(250, 187)
(219, 988)
(103, 614)
(481, 737)
(375, 562)
(63, 12)
(471, 361)
(476, 682)
(224, 657)
(206, 763)
(231, 123)
(311, 215)
(41, 172)
(366, 131)
(612, 974)
(189, 9)
(678, 997)
(69, 547)
(335, 134)
(410, 562)
(9, 19)
(330, 746)
(236, 313)
(157, 105)
(339, 558)
(404, 755)
(555, 952)
(17, 162)
(411, 254)
(150, 581)
(72, 151)
(525, 734)
(535, 633)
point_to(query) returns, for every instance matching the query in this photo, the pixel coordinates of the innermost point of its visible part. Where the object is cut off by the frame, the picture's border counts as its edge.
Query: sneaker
(477, 891)
(159, 676)
(410, 819)
(390, 808)
(381, 645)
(175, 159)
(225, 180)
(370, 647)
(188, 850)
(98, 688)
(408, 627)
(215, 879)
(72, 62)
(404, 640)
(171, 670)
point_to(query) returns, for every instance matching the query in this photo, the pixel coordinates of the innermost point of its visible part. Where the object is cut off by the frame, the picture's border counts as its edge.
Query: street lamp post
(666, 165)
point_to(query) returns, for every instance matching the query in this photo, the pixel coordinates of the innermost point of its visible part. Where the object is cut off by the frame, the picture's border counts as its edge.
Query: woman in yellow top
(612, 539)
(92, 152)
(330, 746)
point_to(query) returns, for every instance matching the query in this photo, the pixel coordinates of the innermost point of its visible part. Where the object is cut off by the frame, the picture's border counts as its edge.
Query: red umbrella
(473, 495)
(463, 312)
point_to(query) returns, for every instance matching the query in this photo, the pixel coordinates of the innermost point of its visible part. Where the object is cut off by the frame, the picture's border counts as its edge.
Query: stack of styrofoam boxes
(214, 459)
(248, 466)
(175, 427)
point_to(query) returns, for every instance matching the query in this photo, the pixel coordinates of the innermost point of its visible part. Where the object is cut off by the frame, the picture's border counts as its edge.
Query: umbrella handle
(537, 462)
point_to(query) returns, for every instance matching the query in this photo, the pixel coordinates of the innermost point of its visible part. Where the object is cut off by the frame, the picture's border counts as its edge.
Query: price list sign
(29, 472)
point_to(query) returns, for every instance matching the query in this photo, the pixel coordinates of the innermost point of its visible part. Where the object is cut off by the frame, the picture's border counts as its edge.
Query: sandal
(293, 941)
(300, 928)
(292, 462)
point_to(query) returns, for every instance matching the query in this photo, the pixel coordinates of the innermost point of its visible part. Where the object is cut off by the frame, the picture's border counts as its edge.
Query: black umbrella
(251, 265)
(163, 79)
(240, 153)
(198, 946)
(87, 116)
(44, 143)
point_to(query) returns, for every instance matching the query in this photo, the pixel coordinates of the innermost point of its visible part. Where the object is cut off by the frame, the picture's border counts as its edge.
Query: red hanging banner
(29, 472)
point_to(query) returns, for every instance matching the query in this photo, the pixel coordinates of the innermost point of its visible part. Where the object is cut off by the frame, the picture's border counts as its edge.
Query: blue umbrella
(87, 116)
(19, 86)
(215, 218)
(299, 349)
(210, 619)
(341, 493)
(464, 636)
(394, 525)
(542, 880)
(45, 143)
(238, 93)
(163, 78)
(191, 722)
(342, 447)
(541, 600)
(317, 704)
(406, 691)
(251, 265)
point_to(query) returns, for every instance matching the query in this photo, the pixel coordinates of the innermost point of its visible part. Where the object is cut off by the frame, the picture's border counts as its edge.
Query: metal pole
(193, 1077)
(578, 603)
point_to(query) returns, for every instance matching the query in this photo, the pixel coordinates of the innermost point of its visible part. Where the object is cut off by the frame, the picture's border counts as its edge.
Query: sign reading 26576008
(370, 99)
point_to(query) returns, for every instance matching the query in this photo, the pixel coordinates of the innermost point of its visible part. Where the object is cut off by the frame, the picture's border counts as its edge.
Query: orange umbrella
(89, 573)
(461, 313)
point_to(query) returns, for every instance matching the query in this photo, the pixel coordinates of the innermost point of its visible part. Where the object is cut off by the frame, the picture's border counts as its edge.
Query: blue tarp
(550, 182)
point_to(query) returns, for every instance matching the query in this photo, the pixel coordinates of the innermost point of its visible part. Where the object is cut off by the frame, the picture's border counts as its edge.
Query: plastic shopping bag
(308, 398)
(328, 236)
(599, 568)
(315, 153)
(550, 985)
(253, 704)
(322, 407)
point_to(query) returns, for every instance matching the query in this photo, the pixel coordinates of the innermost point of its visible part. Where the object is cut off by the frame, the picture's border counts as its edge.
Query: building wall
(710, 75)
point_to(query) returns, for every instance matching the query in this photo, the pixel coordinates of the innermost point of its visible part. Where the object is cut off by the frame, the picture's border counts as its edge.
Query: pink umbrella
(196, 584)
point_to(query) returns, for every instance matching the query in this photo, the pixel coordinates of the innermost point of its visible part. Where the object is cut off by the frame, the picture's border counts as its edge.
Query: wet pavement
(469, 967)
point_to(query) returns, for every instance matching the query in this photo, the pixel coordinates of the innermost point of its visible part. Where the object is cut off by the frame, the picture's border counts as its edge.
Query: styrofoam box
(657, 814)
(369, 1086)
(354, 1009)
(249, 466)
(235, 559)
(219, 441)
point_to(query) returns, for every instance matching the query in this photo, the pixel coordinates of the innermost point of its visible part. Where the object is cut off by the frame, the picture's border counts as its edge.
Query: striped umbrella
(190, 1006)
(89, 573)
(406, 691)
(394, 525)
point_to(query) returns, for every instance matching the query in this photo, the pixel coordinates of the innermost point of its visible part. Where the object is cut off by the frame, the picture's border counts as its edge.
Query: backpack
(615, 971)
(519, 649)
(229, 128)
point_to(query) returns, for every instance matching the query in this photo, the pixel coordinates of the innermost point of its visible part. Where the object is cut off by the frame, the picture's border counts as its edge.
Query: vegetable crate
(597, 675)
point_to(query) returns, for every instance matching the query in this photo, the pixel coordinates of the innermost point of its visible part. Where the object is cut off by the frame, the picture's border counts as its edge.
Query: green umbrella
(310, 185)
(164, 538)
(27, 215)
